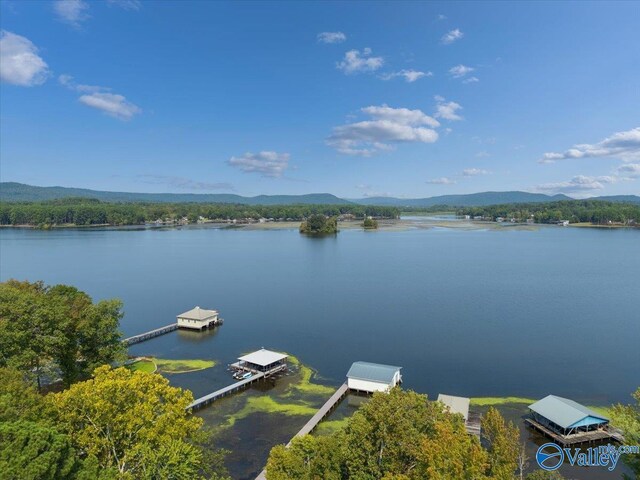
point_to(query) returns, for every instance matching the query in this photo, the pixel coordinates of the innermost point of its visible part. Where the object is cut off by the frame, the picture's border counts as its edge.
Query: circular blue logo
(549, 457)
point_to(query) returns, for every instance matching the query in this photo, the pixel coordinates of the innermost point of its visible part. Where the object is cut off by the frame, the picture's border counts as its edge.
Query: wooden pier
(322, 412)
(316, 419)
(223, 392)
(582, 437)
(150, 334)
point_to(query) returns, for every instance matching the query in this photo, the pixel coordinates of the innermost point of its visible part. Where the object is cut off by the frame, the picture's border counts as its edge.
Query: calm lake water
(470, 312)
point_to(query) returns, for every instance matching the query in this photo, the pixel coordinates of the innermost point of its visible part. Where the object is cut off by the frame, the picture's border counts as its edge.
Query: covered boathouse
(568, 422)
(198, 319)
(460, 405)
(372, 377)
(261, 361)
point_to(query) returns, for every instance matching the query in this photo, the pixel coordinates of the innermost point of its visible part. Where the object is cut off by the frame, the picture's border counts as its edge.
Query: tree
(399, 435)
(30, 451)
(134, 422)
(627, 418)
(318, 224)
(57, 331)
(504, 444)
(370, 224)
(18, 399)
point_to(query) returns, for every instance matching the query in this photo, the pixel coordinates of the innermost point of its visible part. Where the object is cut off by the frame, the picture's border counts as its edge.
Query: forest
(597, 212)
(83, 211)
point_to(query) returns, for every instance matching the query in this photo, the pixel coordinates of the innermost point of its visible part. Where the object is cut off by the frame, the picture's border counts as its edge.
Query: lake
(477, 312)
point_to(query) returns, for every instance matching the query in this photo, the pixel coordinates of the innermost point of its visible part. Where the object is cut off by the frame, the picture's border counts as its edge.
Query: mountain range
(20, 192)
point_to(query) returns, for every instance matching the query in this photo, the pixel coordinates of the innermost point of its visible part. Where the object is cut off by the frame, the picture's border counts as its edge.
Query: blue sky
(356, 99)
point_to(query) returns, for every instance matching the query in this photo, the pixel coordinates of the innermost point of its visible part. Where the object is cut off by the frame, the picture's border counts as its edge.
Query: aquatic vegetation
(304, 385)
(143, 365)
(162, 365)
(266, 404)
(327, 427)
(488, 401)
(182, 366)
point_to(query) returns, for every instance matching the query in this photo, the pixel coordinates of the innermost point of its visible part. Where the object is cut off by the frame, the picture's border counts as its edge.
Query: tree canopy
(51, 331)
(83, 211)
(319, 224)
(400, 435)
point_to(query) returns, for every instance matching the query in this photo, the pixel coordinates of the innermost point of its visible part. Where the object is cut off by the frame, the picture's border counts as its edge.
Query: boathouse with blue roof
(567, 421)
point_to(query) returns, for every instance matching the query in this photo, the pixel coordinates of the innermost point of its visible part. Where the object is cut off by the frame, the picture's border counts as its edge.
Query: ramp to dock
(150, 334)
(234, 387)
(322, 412)
(316, 419)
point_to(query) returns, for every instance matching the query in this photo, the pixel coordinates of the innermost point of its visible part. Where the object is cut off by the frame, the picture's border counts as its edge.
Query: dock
(316, 419)
(322, 412)
(150, 334)
(582, 437)
(223, 392)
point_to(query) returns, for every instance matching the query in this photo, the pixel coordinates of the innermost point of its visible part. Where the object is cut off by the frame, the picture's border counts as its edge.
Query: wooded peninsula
(85, 212)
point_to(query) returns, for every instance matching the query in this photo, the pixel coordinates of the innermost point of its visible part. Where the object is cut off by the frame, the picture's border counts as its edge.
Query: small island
(370, 223)
(318, 224)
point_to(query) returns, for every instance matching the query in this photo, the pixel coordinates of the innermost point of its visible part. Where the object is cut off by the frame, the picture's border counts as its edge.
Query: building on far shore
(373, 377)
(198, 319)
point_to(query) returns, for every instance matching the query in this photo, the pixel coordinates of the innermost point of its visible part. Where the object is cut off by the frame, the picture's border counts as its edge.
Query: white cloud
(579, 183)
(460, 71)
(409, 75)
(623, 145)
(483, 154)
(474, 172)
(441, 17)
(68, 81)
(331, 37)
(442, 181)
(20, 63)
(451, 36)
(471, 80)
(125, 4)
(629, 170)
(355, 62)
(447, 110)
(112, 104)
(266, 163)
(387, 126)
(73, 12)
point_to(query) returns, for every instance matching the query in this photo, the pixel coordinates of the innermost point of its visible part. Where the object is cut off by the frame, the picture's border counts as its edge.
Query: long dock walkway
(323, 412)
(234, 387)
(150, 334)
(316, 419)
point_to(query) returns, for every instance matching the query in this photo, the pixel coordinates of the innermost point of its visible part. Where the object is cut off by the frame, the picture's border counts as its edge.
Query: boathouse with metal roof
(373, 377)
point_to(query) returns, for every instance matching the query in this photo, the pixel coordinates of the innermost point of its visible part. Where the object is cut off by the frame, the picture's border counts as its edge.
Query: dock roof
(565, 412)
(373, 372)
(263, 357)
(198, 314)
(456, 404)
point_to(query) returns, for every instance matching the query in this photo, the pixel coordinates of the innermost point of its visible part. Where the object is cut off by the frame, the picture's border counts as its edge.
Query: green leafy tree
(18, 399)
(134, 422)
(57, 331)
(395, 436)
(504, 444)
(30, 451)
(627, 418)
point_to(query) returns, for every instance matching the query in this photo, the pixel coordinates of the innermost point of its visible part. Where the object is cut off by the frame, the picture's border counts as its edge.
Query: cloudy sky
(401, 99)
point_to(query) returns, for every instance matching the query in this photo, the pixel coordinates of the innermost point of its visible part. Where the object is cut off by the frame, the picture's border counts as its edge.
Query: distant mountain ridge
(20, 192)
